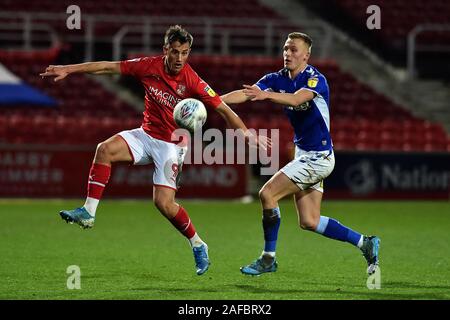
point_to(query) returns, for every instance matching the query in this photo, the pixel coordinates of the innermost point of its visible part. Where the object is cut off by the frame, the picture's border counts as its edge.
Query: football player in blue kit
(304, 93)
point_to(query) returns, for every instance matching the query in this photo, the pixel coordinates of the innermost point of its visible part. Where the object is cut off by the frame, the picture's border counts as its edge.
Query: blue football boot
(369, 249)
(261, 265)
(79, 216)
(201, 258)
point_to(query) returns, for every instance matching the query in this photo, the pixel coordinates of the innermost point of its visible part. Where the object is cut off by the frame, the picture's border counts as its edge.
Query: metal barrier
(26, 29)
(412, 46)
(213, 35)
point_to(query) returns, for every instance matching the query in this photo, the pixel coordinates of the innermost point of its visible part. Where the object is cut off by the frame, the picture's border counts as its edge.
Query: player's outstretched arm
(235, 122)
(235, 97)
(100, 67)
(291, 99)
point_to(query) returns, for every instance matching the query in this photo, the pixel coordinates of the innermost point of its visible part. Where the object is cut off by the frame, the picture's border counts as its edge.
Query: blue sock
(271, 224)
(331, 228)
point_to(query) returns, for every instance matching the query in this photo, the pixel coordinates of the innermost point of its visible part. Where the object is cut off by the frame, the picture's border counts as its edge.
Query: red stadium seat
(87, 113)
(399, 18)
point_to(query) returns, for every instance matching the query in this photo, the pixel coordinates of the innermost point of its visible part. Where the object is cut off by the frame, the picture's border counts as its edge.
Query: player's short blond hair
(303, 36)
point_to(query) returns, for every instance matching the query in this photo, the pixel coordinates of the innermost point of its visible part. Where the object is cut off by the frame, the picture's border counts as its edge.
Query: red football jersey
(164, 91)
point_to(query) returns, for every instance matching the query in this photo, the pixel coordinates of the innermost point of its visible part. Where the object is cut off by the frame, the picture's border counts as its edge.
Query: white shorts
(167, 157)
(309, 168)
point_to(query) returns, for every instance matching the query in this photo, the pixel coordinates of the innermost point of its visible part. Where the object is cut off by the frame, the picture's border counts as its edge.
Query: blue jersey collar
(285, 72)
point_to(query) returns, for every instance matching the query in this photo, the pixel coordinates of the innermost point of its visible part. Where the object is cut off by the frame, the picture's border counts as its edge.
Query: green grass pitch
(134, 253)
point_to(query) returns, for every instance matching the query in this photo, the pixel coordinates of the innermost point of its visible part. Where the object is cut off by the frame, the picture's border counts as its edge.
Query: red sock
(98, 178)
(183, 223)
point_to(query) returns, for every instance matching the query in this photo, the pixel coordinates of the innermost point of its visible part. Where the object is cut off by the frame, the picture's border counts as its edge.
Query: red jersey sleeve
(207, 95)
(136, 67)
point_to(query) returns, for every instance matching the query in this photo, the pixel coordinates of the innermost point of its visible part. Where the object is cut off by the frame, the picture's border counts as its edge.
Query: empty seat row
(87, 113)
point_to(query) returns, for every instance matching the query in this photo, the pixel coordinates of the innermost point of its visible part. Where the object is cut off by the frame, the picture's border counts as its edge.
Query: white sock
(196, 241)
(268, 253)
(360, 242)
(91, 205)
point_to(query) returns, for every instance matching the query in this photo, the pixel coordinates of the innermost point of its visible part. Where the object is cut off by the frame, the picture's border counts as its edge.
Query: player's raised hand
(255, 93)
(59, 72)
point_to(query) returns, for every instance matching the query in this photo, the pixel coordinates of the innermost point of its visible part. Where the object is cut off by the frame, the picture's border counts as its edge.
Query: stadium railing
(413, 47)
(213, 35)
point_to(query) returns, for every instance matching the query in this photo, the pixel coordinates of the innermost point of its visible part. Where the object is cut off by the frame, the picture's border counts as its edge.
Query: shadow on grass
(394, 290)
(392, 285)
(345, 294)
(398, 284)
(176, 290)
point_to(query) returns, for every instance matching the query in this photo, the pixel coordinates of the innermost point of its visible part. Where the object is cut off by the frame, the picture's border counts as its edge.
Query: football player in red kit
(167, 79)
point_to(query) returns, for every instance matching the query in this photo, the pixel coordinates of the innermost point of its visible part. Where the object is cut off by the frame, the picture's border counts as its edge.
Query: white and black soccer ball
(190, 114)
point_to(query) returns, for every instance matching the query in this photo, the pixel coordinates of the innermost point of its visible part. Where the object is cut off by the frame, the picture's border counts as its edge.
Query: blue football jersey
(311, 120)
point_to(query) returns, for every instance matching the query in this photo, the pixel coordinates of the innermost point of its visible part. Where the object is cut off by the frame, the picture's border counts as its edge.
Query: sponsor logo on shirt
(181, 88)
(162, 97)
(303, 107)
(210, 91)
(312, 82)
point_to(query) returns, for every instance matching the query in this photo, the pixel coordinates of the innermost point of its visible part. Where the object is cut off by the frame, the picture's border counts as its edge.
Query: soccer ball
(190, 114)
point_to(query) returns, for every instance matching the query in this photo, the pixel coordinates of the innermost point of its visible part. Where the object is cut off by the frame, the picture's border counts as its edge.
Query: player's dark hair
(177, 33)
(300, 35)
